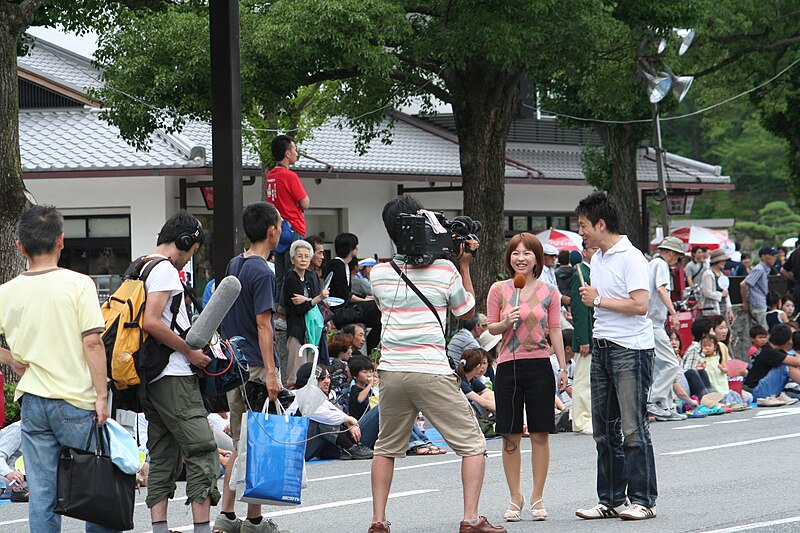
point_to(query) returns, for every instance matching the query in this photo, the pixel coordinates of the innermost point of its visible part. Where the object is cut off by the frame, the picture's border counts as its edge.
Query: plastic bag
(123, 450)
(315, 323)
(310, 396)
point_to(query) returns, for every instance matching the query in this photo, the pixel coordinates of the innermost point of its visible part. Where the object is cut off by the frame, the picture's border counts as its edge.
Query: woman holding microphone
(522, 310)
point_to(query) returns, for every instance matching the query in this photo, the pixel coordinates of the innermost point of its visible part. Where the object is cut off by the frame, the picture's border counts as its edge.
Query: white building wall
(145, 199)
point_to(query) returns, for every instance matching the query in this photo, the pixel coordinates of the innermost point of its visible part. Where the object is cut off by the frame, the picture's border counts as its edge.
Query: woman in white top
(714, 297)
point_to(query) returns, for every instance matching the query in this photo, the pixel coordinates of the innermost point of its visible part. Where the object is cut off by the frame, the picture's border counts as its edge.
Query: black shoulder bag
(425, 301)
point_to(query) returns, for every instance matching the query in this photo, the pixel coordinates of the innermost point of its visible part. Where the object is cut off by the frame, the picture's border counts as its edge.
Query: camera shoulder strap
(418, 293)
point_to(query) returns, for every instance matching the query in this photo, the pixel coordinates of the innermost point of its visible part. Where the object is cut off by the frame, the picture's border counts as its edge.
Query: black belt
(604, 343)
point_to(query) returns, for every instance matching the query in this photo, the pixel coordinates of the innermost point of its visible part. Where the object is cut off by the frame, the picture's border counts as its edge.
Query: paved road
(736, 472)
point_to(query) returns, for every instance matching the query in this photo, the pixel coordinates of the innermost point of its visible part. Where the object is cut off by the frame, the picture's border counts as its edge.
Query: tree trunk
(621, 142)
(13, 22)
(485, 103)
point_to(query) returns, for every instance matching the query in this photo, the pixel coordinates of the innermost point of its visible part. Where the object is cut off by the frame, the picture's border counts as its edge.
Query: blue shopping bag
(276, 449)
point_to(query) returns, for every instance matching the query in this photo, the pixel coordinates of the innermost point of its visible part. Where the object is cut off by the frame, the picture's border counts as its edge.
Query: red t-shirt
(284, 190)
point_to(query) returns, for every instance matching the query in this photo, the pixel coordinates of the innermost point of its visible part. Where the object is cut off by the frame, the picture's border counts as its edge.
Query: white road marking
(410, 467)
(19, 521)
(733, 421)
(773, 414)
(756, 525)
(769, 412)
(330, 505)
(693, 426)
(732, 444)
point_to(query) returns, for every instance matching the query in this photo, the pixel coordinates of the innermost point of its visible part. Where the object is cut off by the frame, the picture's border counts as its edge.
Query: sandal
(514, 515)
(422, 449)
(435, 450)
(538, 514)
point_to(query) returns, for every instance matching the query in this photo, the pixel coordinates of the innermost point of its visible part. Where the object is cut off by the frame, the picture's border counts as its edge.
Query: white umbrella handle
(301, 353)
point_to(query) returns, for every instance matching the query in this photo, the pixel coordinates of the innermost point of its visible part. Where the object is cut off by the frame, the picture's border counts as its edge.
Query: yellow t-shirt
(44, 316)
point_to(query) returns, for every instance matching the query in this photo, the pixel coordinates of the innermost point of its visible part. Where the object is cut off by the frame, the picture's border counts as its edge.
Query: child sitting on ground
(340, 350)
(716, 368)
(361, 391)
(758, 338)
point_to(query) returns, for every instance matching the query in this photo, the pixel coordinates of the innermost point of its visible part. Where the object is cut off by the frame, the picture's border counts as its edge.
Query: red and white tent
(561, 239)
(700, 236)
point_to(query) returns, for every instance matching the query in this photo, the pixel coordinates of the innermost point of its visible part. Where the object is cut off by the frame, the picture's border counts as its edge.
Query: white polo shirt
(617, 273)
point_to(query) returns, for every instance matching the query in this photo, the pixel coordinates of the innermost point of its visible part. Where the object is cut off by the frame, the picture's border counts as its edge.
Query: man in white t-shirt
(178, 432)
(622, 366)
(665, 366)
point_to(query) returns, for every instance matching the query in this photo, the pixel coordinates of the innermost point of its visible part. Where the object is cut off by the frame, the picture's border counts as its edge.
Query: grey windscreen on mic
(218, 306)
(575, 258)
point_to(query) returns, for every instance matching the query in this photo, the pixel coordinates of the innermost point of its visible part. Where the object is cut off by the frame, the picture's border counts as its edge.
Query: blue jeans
(773, 383)
(369, 430)
(47, 425)
(621, 379)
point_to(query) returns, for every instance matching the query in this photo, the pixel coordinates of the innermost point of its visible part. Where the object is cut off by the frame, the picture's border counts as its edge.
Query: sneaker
(770, 401)
(602, 511)
(671, 416)
(356, 451)
(786, 399)
(638, 512)
(657, 412)
(265, 526)
(225, 525)
(379, 527)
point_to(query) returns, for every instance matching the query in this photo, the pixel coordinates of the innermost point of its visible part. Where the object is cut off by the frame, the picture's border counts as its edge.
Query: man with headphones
(178, 431)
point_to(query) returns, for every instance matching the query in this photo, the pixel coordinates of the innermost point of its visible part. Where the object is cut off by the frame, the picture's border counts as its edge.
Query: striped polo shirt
(412, 339)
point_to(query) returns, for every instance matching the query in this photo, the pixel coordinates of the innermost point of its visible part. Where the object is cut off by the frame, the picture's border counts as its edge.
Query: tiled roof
(60, 65)
(412, 151)
(76, 139)
(200, 135)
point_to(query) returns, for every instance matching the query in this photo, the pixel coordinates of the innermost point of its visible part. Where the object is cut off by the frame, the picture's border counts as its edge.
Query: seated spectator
(473, 365)
(358, 332)
(360, 282)
(715, 368)
(564, 396)
(775, 315)
(467, 337)
(10, 451)
(772, 368)
(302, 292)
(355, 308)
(758, 338)
(332, 434)
(340, 348)
(788, 307)
(365, 407)
(489, 343)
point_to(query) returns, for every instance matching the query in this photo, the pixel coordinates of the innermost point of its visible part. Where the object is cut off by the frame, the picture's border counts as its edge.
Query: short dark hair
(773, 298)
(796, 341)
(344, 243)
(757, 330)
(745, 255)
(39, 228)
(280, 144)
(700, 327)
(257, 218)
(357, 363)
(566, 334)
(397, 206)
(315, 240)
(600, 206)
(563, 257)
(471, 359)
(179, 224)
(351, 328)
(696, 249)
(780, 334)
(470, 323)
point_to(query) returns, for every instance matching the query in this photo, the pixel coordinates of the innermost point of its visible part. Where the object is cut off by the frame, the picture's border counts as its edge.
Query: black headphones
(186, 239)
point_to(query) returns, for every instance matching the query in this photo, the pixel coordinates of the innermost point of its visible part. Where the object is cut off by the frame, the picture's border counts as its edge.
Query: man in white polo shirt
(622, 366)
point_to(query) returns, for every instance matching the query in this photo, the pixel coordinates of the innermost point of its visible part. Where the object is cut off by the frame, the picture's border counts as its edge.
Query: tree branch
(421, 9)
(780, 44)
(430, 66)
(422, 83)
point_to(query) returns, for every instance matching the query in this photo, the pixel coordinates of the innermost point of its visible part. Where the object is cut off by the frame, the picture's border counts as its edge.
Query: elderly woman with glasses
(301, 294)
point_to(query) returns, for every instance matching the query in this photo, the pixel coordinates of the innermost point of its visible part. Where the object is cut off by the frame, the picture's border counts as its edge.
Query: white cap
(549, 249)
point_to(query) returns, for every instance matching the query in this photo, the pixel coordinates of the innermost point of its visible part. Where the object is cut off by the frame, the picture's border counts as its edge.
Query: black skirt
(526, 384)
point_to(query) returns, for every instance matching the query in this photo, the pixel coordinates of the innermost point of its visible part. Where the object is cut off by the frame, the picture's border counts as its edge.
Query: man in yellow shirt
(51, 319)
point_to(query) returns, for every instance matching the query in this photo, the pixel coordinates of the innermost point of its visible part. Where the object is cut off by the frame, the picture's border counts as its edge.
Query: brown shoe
(483, 526)
(379, 527)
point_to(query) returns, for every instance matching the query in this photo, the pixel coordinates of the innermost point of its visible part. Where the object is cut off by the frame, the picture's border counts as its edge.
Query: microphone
(519, 284)
(575, 259)
(218, 306)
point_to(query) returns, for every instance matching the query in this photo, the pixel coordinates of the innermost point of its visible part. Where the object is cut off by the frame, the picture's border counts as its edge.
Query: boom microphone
(218, 306)
(519, 284)
(575, 259)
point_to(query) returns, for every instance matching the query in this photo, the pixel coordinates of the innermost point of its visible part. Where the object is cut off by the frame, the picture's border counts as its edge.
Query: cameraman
(415, 373)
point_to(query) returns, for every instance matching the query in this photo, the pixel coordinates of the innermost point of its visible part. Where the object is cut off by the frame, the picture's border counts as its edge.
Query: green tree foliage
(776, 222)
(312, 59)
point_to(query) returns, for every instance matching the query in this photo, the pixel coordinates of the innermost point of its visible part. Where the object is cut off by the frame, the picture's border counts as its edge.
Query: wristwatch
(596, 301)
